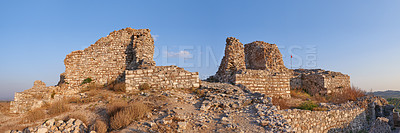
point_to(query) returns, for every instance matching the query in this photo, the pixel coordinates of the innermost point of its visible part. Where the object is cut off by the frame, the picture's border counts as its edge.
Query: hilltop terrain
(114, 85)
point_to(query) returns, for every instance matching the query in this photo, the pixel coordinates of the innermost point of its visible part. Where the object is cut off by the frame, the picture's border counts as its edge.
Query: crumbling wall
(318, 81)
(232, 62)
(161, 77)
(344, 120)
(107, 59)
(33, 98)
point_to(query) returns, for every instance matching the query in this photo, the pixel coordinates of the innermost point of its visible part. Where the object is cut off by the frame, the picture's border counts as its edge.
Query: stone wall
(107, 59)
(317, 81)
(33, 98)
(340, 120)
(257, 66)
(161, 77)
(264, 82)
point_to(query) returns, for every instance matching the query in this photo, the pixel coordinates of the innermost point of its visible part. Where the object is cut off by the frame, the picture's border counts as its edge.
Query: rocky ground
(215, 107)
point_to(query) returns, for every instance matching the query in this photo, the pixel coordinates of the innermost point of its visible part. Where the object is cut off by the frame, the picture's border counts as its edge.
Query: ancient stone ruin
(317, 81)
(258, 66)
(107, 59)
(123, 56)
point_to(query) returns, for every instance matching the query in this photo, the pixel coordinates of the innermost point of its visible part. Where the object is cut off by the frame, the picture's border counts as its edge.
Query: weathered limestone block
(233, 60)
(107, 59)
(264, 56)
(161, 77)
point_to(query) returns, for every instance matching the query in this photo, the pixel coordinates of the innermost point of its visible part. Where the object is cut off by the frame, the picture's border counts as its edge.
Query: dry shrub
(117, 87)
(144, 86)
(99, 126)
(114, 107)
(125, 116)
(347, 94)
(34, 115)
(281, 102)
(79, 116)
(57, 108)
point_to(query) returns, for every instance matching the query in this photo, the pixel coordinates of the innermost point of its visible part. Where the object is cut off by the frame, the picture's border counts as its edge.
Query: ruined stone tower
(258, 66)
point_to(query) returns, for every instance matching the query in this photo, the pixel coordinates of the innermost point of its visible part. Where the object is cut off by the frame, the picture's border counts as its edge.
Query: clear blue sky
(360, 38)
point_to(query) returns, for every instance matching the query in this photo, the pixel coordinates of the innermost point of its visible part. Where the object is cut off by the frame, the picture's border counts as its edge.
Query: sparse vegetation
(124, 117)
(144, 86)
(87, 80)
(308, 105)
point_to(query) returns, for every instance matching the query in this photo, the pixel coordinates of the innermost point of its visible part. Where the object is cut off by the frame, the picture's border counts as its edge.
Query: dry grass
(34, 115)
(57, 108)
(124, 117)
(99, 126)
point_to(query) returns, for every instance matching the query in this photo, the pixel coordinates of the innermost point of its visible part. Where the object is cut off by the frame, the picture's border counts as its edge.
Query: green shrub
(144, 86)
(87, 80)
(309, 105)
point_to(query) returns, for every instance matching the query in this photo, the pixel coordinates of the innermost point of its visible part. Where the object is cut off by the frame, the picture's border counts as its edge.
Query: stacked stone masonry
(161, 77)
(257, 66)
(317, 81)
(306, 121)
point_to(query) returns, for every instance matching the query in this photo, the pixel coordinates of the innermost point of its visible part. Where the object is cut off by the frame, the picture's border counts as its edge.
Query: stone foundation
(161, 77)
(264, 82)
